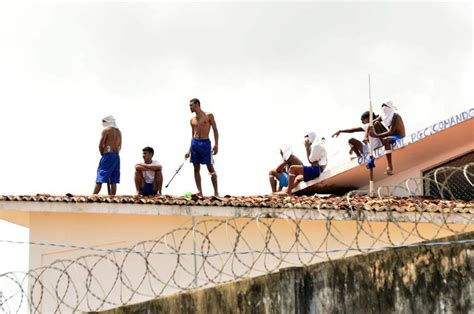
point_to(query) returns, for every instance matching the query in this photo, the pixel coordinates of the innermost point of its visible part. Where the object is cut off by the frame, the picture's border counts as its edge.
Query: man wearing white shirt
(148, 175)
(362, 148)
(317, 157)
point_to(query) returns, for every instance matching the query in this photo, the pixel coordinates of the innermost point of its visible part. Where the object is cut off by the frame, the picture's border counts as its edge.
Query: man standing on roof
(317, 157)
(280, 173)
(200, 149)
(396, 130)
(109, 148)
(362, 148)
(148, 174)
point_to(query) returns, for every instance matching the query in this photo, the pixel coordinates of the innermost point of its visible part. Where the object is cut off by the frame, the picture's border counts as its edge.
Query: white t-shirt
(319, 154)
(374, 141)
(149, 176)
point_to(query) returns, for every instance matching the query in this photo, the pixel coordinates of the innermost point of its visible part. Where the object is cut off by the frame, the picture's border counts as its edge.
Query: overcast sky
(270, 72)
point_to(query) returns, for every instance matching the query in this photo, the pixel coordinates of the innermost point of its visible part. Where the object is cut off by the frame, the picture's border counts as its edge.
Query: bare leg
(197, 178)
(213, 174)
(139, 182)
(296, 171)
(272, 175)
(158, 183)
(357, 147)
(388, 152)
(97, 188)
(113, 189)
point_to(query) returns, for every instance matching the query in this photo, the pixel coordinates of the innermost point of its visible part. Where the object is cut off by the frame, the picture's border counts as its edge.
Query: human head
(365, 117)
(148, 153)
(286, 151)
(193, 103)
(388, 108)
(311, 136)
(109, 121)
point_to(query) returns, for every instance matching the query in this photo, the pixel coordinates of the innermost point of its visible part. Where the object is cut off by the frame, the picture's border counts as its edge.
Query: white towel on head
(387, 113)
(286, 151)
(312, 137)
(109, 121)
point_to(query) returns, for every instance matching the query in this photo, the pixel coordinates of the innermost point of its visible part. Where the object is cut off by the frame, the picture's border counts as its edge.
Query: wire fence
(211, 251)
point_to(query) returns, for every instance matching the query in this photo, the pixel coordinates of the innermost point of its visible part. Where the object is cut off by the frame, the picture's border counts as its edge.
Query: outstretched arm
(216, 133)
(359, 129)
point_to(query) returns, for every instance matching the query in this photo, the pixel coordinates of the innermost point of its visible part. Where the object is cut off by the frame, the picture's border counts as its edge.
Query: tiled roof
(356, 202)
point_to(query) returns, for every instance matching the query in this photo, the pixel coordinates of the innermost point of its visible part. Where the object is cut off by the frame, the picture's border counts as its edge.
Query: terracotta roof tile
(356, 202)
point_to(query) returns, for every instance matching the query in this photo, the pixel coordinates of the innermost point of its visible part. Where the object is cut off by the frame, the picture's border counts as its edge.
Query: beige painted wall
(166, 274)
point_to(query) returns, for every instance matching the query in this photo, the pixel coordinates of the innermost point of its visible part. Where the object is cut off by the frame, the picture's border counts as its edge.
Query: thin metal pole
(371, 182)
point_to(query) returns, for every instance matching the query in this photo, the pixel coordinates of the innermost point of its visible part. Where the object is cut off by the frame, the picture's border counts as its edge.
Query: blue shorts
(109, 168)
(201, 151)
(394, 138)
(311, 172)
(147, 189)
(283, 178)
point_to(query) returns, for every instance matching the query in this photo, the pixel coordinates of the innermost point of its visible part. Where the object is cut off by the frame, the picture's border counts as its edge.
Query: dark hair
(366, 115)
(149, 149)
(195, 101)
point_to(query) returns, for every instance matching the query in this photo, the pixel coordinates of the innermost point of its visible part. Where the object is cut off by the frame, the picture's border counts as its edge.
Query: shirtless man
(148, 174)
(109, 148)
(200, 149)
(280, 173)
(396, 130)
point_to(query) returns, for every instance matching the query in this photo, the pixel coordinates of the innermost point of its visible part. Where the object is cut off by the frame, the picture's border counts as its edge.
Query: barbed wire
(211, 251)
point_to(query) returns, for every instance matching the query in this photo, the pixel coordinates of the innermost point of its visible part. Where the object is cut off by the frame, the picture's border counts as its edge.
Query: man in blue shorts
(109, 165)
(200, 149)
(317, 157)
(148, 174)
(396, 131)
(280, 173)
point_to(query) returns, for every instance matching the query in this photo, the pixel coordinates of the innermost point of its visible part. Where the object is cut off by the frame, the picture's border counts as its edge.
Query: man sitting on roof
(396, 130)
(280, 173)
(362, 148)
(148, 175)
(317, 157)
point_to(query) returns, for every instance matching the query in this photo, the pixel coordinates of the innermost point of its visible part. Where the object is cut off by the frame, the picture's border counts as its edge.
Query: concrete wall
(159, 275)
(435, 279)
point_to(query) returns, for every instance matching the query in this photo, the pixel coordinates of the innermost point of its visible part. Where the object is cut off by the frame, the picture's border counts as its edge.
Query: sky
(268, 71)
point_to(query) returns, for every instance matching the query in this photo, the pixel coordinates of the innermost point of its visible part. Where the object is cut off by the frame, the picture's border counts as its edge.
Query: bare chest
(200, 122)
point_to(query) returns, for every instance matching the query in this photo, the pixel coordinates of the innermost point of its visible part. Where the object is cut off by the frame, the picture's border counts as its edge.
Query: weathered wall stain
(436, 279)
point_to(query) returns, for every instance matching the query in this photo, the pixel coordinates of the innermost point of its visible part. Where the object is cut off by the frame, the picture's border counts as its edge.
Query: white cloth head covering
(387, 113)
(287, 151)
(312, 137)
(109, 121)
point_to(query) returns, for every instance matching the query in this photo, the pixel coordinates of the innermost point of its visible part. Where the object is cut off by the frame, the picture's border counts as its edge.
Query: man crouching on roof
(317, 157)
(110, 143)
(148, 174)
(280, 173)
